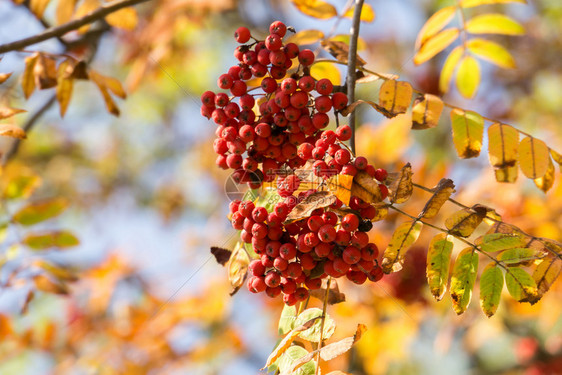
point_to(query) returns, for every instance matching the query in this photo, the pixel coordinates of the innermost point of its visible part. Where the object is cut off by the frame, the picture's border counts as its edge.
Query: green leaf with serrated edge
(313, 333)
(468, 76)
(436, 44)
(403, 237)
(533, 157)
(518, 255)
(521, 285)
(494, 23)
(500, 241)
(291, 355)
(438, 261)
(441, 194)
(546, 273)
(473, 3)
(491, 285)
(463, 278)
(287, 319)
(449, 68)
(491, 52)
(468, 132)
(37, 212)
(462, 223)
(434, 24)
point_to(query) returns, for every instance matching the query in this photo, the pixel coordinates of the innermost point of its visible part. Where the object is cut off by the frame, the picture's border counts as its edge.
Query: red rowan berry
(381, 174)
(344, 133)
(242, 34)
(327, 233)
(324, 86)
(290, 299)
(320, 120)
(291, 50)
(299, 99)
(312, 284)
(323, 104)
(349, 169)
(342, 157)
(288, 286)
(306, 57)
(384, 191)
(361, 162)
(341, 266)
(278, 27)
(238, 88)
(322, 249)
(287, 251)
(350, 222)
(225, 81)
(339, 100)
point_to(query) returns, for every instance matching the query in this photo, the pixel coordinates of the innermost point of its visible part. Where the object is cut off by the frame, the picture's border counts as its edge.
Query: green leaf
(494, 23)
(291, 355)
(492, 52)
(473, 3)
(403, 237)
(449, 68)
(21, 186)
(287, 319)
(438, 261)
(312, 334)
(521, 285)
(500, 241)
(463, 278)
(491, 285)
(37, 212)
(518, 255)
(60, 239)
(468, 132)
(468, 76)
(435, 44)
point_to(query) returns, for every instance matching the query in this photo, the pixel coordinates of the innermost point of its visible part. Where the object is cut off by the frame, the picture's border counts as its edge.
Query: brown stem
(352, 66)
(55, 32)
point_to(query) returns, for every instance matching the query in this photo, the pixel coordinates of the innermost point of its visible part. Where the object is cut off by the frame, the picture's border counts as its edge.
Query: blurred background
(147, 202)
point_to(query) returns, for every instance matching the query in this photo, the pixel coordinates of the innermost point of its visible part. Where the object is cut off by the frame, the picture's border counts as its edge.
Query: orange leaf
(9, 130)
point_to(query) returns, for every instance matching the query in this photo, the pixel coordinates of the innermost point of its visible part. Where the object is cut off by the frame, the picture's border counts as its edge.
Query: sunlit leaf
(434, 24)
(303, 209)
(473, 3)
(7, 112)
(436, 44)
(45, 72)
(507, 174)
(42, 241)
(491, 285)
(64, 86)
(402, 239)
(37, 212)
(46, 284)
(556, 157)
(326, 70)
(112, 84)
(238, 268)
(38, 7)
(492, 52)
(468, 76)
(125, 18)
(449, 68)
(546, 273)
(518, 255)
(28, 77)
(468, 132)
(547, 181)
(463, 278)
(426, 112)
(441, 193)
(287, 319)
(84, 8)
(400, 187)
(500, 241)
(366, 187)
(395, 96)
(340, 50)
(533, 157)
(316, 8)
(464, 222)
(9, 130)
(64, 11)
(293, 354)
(19, 182)
(340, 185)
(438, 262)
(521, 285)
(503, 142)
(494, 23)
(367, 13)
(4, 77)
(305, 37)
(312, 334)
(57, 271)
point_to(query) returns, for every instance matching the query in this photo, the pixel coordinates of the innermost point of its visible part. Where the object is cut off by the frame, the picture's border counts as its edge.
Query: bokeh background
(147, 202)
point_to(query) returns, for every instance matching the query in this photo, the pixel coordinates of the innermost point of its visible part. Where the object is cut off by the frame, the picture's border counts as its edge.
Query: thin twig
(352, 66)
(58, 31)
(324, 308)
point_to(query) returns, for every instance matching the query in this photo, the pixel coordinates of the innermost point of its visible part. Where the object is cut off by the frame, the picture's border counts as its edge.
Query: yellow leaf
(434, 24)
(468, 76)
(491, 286)
(19, 182)
(38, 7)
(492, 52)
(438, 262)
(45, 284)
(546, 273)
(361, 43)
(340, 185)
(41, 241)
(367, 13)
(441, 194)
(125, 18)
(449, 68)
(4, 77)
(110, 83)
(494, 23)
(503, 141)
(64, 11)
(473, 3)
(109, 103)
(45, 72)
(316, 8)
(305, 37)
(65, 86)
(9, 112)
(326, 70)
(464, 222)
(547, 180)
(28, 77)
(238, 268)
(435, 44)
(533, 157)
(463, 278)
(468, 131)
(403, 237)
(9, 130)
(340, 50)
(365, 187)
(507, 174)
(37, 212)
(59, 272)
(86, 7)
(395, 96)
(400, 187)
(426, 112)
(557, 157)
(521, 285)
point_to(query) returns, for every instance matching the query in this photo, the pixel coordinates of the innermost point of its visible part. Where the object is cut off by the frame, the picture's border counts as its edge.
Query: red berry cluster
(291, 111)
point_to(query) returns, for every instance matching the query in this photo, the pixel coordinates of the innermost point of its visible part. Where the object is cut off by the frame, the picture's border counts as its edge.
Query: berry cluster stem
(352, 65)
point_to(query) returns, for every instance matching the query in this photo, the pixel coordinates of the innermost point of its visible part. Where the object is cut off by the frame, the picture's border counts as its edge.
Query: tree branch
(55, 32)
(352, 66)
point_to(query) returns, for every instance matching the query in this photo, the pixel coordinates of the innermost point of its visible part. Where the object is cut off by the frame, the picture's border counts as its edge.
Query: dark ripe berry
(292, 113)
(306, 83)
(350, 222)
(349, 169)
(341, 266)
(359, 239)
(332, 149)
(259, 214)
(357, 277)
(376, 274)
(344, 133)
(225, 81)
(314, 223)
(268, 85)
(370, 252)
(239, 52)
(245, 73)
(366, 225)
(320, 120)
(327, 233)
(342, 157)
(329, 136)
(250, 57)
(259, 244)
(258, 70)
(277, 72)
(384, 191)
(287, 251)
(289, 85)
(219, 117)
(322, 249)
(277, 59)
(256, 284)
(272, 279)
(294, 270)
(290, 299)
(266, 260)
(306, 57)
(289, 151)
(208, 99)
(307, 262)
(245, 208)
(324, 86)
(310, 240)
(246, 133)
(370, 170)
(330, 218)
(339, 100)
(318, 153)
(234, 72)
(256, 267)
(351, 255)
(312, 284)
(342, 237)
(291, 50)
(280, 264)
(301, 294)
(273, 292)
(238, 88)
(247, 117)
(278, 27)
(323, 104)
(329, 269)
(282, 99)
(381, 174)
(319, 167)
(299, 99)
(242, 34)
(232, 110)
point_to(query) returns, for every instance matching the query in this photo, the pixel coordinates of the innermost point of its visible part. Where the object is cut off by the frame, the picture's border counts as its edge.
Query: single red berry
(291, 50)
(351, 255)
(245, 236)
(315, 222)
(339, 100)
(320, 120)
(312, 284)
(324, 86)
(319, 167)
(278, 27)
(349, 169)
(273, 42)
(258, 70)
(294, 270)
(279, 71)
(280, 264)
(359, 239)
(301, 294)
(361, 162)
(263, 130)
(369, 252)
(350, 222)
(208, 99)
(330, 218)
(342, 157)
(344, 133)
(256, 267)
(225, 81)
(290, 299)
(376, 274)
(238, 88)
(306, 57)
(232, 110)
(259, 214)
(273, 292)
(306, 83)
(341, 266)
(273, 279)
(368, 212)
(322, 249)
(381, 174)
(250, 58)
(327, 233)
(242, 34)
(299, 99)
(277, 59)
(384, 191)
(357, 277)
(258, 284)
(318, 153)
(287, 251)
(245, 208)
(307, 262)
(323, 104)
(305, 151)
(268, 85)
(310, 240)
(289, 85)
(234, 161)
(288, 286)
